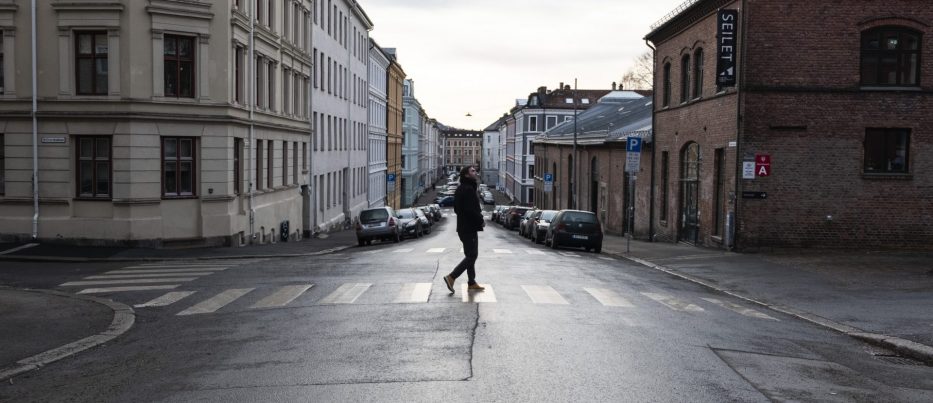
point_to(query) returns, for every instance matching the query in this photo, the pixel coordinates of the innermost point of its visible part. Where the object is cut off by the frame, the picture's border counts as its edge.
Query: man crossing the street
(469, 222)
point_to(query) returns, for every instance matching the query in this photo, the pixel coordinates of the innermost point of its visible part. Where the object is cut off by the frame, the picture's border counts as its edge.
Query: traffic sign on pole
(548, 182)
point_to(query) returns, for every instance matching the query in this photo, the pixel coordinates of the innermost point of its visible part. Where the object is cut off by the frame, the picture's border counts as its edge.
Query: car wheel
(553, 242)
(369, 242)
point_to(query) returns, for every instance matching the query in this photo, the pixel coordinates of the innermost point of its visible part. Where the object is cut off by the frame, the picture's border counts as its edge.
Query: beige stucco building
(144, 121)
(395, 108)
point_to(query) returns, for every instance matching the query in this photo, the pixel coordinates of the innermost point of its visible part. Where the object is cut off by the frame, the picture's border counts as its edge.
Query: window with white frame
(532, 123)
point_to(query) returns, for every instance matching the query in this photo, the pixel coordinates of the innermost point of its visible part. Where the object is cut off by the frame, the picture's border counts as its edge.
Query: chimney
(542, 90)
(567, 87)
(561, 86)
(613, 85)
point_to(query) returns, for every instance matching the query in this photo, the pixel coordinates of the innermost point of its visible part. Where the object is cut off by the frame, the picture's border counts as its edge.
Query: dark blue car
(446, 201)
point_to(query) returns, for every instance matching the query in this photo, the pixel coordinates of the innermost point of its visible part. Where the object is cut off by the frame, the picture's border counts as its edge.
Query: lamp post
(573, 167)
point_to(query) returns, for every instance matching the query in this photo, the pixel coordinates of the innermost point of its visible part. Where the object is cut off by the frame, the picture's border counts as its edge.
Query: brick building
(462, 148)
(836, 95)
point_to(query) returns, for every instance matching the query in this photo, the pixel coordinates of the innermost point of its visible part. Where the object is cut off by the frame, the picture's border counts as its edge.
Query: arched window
(698, 73)
(570, 190)
(685, 79)
(891, 56)
(666, 101)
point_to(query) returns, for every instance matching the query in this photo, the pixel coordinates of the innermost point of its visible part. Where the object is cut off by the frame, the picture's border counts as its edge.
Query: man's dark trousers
(471, 252)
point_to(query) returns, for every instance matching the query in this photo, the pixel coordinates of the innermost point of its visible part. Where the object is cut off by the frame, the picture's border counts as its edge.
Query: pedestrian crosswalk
(151, 276)
(482, 252)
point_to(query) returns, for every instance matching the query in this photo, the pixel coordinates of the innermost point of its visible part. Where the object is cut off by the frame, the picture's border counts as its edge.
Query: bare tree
(641, 75)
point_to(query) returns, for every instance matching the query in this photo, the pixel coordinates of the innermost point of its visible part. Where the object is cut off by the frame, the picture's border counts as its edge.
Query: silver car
(540, 226)
(377, 223)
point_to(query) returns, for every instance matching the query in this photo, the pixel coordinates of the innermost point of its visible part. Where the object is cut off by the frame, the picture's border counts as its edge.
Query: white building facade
(340, 102)
(378, 93)
(491, 153)
(412, 129)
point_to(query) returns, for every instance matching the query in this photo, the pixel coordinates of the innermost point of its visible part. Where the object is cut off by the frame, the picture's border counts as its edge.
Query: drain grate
(895, 359)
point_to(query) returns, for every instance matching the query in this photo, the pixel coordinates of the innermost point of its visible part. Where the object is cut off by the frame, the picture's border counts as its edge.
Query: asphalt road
(376, 323)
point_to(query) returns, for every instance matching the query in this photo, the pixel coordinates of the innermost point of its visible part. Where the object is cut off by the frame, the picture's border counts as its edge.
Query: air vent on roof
(585, 100)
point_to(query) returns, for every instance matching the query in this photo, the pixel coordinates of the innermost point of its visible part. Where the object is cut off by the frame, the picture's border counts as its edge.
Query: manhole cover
(893, 359)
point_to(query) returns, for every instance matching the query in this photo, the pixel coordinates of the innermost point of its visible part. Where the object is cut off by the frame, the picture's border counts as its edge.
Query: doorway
(689, 193)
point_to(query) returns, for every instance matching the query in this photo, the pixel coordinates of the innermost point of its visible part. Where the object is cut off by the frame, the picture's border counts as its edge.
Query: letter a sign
(762, 165)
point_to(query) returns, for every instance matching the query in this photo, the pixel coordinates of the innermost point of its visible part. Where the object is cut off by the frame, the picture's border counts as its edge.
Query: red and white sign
(762, 165)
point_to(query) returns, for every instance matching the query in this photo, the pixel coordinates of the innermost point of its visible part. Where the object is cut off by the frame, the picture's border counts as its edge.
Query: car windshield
(407, 213)
(548, 215)
(575, 216)
(374, 215)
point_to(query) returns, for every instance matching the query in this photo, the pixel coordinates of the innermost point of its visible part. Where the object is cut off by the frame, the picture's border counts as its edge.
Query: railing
(683, 6)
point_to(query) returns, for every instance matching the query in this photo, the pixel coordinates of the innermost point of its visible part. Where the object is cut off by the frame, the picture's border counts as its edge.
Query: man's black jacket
(466, 205)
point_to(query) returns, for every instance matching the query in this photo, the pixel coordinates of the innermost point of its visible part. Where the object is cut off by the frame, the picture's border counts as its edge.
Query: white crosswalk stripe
(128, 288)
(607, 258)
(146, 275)
(542, 294)
(414, 293)
(179, 271)
(216, 302)
(166, 299)
(283, 296)
(437, 250)
(673, 303)
(608, 297)
(346, 294)
(740, 309)
(534, 252)
(568, 254)
(502, 251)
(129, 281)
(487, 295)
(403, 250)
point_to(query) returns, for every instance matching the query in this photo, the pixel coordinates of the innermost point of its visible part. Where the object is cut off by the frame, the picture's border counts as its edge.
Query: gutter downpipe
(369, 49)
(310, 110)
(654, 144)
(739, 122)
(251, 70)
(35, 132)
(348, 143)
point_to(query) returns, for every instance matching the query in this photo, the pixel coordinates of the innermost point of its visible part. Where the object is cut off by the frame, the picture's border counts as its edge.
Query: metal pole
(251, 100)
(573, 164)
(35, 132)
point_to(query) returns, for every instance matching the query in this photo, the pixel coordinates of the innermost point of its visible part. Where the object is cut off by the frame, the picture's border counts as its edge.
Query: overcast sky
(478, 56)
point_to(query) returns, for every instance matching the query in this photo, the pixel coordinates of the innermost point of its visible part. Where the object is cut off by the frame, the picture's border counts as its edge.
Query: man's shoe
(475, 287)
(450, 283)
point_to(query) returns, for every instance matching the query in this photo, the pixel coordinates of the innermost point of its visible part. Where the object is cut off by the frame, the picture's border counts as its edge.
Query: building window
(531, 171)
(258, 164)
(685, 79)
(2, 166)
(666, 98)
(93, 168)
(531, 147)
(550, 121)
(698, 73)
(665, 191)
(270, 162)
(891, 56)
(719, 197)
(295, 162)
(238, 75)
(270, 93)
(91, 63)
(887, 150)
(532, 123)
(284, 163)
(178, 166)
(2, 85)
(179, 66)
(237, 166)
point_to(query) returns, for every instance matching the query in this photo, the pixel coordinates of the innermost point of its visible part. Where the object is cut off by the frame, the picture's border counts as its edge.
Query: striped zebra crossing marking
(437, 250)
(568, 254)
(673, 303)
(128, 288)
(403, 250)
(487, 295)
(542, 294)
(216, 302)
(413, 293)
(176, 266)
(607, 258)
(144, 275)
(346, 294)
(167, 299)
(502, 251)
(740, 309)
(180, 272)
(534, 252)
(608, 297)
(128, 281)
(283, 296)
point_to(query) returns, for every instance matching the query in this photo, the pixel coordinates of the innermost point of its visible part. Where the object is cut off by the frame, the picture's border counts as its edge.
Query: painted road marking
(542, 294)
(534, 252)
(740, 309)
(166, 299)
(673, 303)
(128, 288)
(568, 254)
(607, 258)
(180, 271)
(177, 266)
(506, 251)
(487, 295)
(346, 294)
(145, 275)
(403, 250)
(437, 250)
(129, 281)
(608, 297)
(216, 302)
(414, 293)
(18, 248)
(283, 296)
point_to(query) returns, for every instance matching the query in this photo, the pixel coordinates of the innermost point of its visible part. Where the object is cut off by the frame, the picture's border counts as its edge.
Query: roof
(557, 99)
(495, 126)
(617, 116)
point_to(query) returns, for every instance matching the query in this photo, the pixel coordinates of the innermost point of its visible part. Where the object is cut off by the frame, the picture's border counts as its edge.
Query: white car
(488, 199)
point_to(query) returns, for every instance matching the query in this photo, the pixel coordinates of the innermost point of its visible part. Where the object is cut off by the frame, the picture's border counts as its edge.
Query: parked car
(524, 228)
(514, 216)
(539, 229)
(496, 212)
(377, 223)
(575, 228)
(438, 215)
(488, 199)
(426, 222)
(445, 201)
(409, 223)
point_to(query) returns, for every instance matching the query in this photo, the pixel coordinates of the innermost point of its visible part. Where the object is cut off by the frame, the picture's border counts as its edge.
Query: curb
(905, 347)
(153, 259)
(123, 319)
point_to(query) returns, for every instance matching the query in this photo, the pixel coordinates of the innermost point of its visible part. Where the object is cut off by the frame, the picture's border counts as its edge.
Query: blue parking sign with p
(548, 177)
(633, 145)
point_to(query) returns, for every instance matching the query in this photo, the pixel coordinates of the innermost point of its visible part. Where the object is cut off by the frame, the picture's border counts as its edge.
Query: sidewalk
(885, 298)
